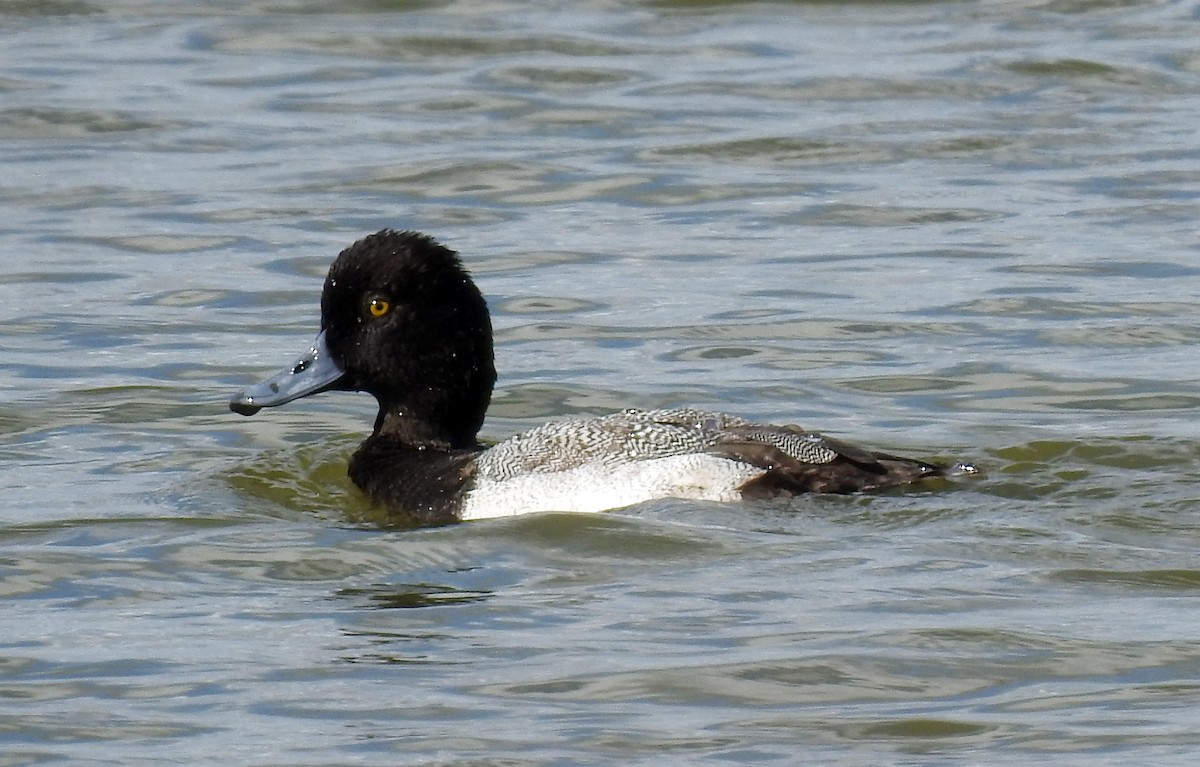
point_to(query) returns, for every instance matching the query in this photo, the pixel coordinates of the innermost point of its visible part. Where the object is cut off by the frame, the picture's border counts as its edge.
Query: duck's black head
(401, 319)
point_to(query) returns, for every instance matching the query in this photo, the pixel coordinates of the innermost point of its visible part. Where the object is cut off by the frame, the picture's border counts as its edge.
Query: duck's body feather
(640, 455)
(617, 460)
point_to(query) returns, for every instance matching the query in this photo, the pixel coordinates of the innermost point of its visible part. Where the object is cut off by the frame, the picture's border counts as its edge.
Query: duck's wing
(797, 462)
(794, 459)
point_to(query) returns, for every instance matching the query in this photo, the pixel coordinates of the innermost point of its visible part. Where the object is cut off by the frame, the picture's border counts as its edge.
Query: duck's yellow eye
(379, 307)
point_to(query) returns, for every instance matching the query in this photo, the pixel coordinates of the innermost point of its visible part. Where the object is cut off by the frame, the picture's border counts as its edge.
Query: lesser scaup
(401, 319)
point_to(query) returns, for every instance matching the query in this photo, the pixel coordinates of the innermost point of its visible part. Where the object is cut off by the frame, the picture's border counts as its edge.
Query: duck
(402, 320)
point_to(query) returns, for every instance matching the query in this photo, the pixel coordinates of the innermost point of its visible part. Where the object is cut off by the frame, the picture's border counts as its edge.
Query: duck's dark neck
(401, 425)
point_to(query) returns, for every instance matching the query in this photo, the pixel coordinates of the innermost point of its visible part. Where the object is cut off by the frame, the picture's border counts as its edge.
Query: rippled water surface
(961, 230)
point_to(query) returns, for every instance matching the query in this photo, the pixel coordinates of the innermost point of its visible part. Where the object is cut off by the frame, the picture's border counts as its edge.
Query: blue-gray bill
(314, 372)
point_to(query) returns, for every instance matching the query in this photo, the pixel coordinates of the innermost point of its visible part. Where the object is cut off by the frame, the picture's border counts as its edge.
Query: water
(956, 230)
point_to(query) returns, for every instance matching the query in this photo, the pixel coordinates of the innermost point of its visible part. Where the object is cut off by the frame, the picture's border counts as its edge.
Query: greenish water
(962, 231)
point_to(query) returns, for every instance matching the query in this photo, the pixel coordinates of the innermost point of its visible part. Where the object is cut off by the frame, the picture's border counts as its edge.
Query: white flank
(602, 485)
